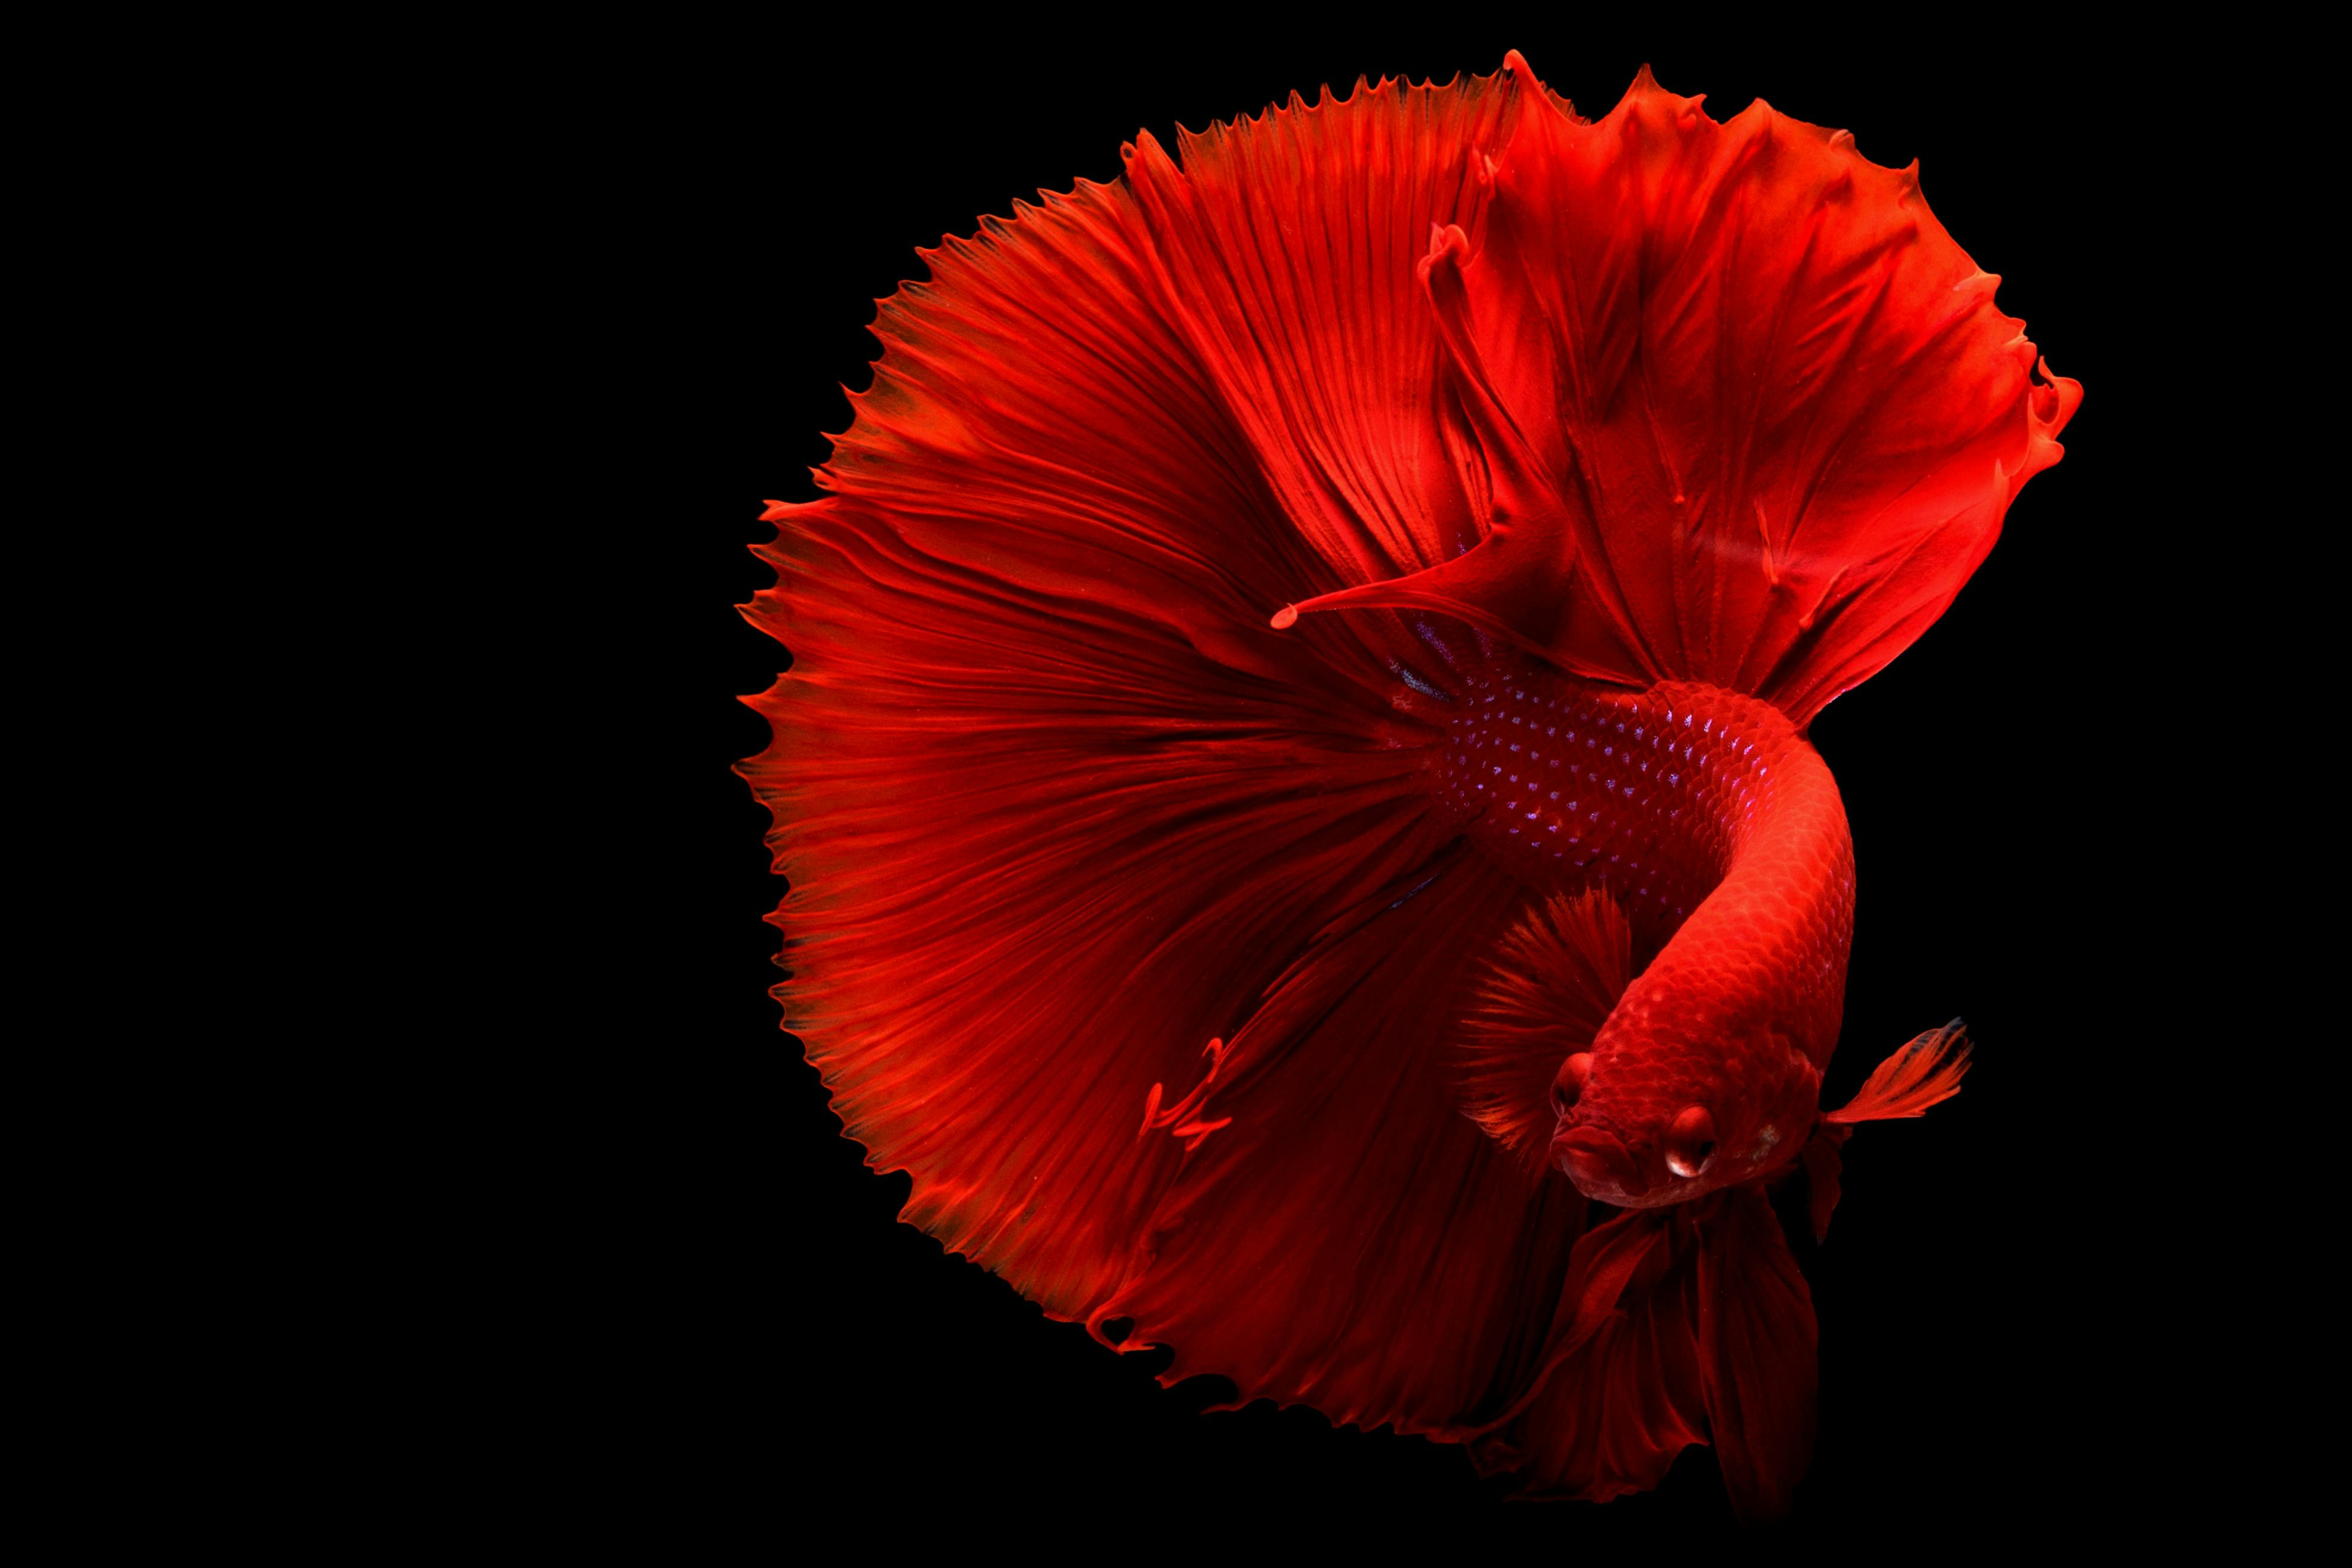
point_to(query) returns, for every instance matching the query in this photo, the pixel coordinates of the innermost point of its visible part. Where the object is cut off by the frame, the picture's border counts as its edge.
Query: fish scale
(1564, 783)
(1709, 820)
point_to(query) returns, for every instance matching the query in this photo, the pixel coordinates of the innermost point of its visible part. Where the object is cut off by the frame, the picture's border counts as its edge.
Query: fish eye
(1690, 1142)
(1568, 1088)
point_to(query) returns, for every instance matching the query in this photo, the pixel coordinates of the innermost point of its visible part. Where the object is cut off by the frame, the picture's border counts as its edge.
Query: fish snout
(1600, 1163)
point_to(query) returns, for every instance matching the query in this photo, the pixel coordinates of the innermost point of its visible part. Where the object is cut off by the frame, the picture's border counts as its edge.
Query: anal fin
(1676, 1326)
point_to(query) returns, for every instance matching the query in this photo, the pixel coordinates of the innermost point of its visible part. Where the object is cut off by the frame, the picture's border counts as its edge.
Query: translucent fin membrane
(1925, 1072)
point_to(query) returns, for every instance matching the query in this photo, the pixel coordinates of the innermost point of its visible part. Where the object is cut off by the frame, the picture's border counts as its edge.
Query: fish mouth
(1600, 1165)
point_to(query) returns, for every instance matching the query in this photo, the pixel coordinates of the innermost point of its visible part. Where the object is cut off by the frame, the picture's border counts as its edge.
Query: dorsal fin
(1551, 982)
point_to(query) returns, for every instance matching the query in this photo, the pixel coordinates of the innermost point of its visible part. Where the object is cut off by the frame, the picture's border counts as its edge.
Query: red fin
(1541, 996)
(1825, 1168)
(1290, 245)
(1620, 1392)
(1748, 416)
(1759, 1353)
(1350, 1241)
(1678, 1326)
(1055, 805)
(1925, 1072)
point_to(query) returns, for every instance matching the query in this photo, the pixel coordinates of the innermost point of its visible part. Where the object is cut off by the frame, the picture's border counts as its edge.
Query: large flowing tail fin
(1059, 811)
(1747, 415)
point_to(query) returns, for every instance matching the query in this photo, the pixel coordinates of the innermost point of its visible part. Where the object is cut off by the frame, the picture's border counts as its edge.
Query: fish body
(1719, 834)
(1294, 777)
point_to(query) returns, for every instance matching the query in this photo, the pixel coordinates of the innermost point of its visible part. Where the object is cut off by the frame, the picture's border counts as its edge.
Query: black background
(2000, 1296)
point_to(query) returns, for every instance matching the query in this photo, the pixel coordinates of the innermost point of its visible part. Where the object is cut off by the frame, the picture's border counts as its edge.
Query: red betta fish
(1294, 777)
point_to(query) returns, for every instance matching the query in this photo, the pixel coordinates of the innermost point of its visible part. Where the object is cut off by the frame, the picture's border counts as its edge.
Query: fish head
(1666, 1108)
